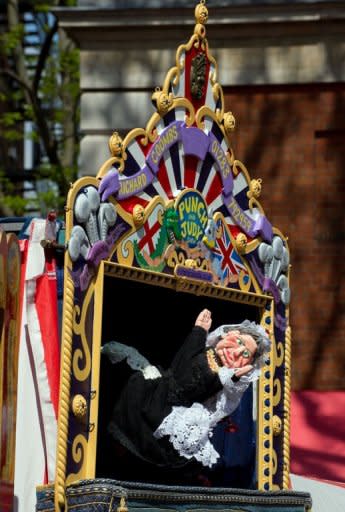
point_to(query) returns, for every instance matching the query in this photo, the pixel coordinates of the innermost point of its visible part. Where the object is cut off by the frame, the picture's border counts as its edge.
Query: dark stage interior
(156, 321)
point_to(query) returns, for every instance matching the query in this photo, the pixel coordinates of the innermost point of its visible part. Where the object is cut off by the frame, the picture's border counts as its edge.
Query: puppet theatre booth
(170, 226)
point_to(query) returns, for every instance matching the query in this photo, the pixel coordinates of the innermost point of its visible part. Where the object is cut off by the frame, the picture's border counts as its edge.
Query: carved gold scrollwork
(278, 353)
(125, 253)
(277, 392)
(175, 258)
(79, 448)
(274, 462)
(244, 281)
(83, 354)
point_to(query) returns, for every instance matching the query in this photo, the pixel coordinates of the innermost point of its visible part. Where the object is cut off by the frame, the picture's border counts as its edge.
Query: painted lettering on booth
(239, 216)
(193, 217)
(220, 157)
(133, 185)
(165, 141)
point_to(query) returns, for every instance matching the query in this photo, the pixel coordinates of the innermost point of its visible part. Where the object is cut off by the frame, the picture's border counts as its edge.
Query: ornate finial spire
(201, 12)
(201, 17)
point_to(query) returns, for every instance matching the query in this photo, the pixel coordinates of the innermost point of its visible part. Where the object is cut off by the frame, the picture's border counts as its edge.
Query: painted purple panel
(195, 142)
(264, 228)
(110, 184)
(192, 273)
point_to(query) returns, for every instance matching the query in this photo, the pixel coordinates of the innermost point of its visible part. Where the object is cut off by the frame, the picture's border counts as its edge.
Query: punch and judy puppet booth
(172, 224)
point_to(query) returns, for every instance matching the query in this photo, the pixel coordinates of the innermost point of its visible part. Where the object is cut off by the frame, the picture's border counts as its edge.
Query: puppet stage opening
(156, 321)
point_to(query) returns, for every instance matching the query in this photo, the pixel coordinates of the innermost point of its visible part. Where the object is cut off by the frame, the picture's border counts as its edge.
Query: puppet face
(236, 350)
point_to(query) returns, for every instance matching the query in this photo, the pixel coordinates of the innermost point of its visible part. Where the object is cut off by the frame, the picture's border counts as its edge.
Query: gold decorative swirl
(135, 134)
(277, 392)
(108, 165)
(274, 462)
(173, 75)
(238, 167)
(244, 286)
(200, 31)
(64, 398)
(204, 265)
(175, 258)
(278, 353)
(79, 328)
(79, 448)
(125, 253)
(205, 111)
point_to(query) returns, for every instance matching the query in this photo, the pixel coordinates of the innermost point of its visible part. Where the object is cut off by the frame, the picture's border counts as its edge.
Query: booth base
(101, 495)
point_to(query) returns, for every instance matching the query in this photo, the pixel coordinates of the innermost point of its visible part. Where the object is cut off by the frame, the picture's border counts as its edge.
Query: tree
(39, 85)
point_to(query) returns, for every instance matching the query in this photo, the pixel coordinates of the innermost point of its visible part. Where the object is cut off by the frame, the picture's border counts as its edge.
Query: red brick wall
(294, 139)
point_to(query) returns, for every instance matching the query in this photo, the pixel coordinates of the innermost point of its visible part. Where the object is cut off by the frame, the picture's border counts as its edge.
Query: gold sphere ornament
(138, 215)
(161, 101)
(277, 425)
(229, 122)
(115, 144)
(79, 406)
(190, 263)
(201, 13)
(256, 187)
(241, 242)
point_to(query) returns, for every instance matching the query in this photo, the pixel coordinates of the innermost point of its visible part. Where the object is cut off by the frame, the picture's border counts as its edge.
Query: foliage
(39, 95)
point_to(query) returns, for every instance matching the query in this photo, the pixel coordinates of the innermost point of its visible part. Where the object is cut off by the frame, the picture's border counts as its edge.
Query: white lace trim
(190, 428)
(117, 352)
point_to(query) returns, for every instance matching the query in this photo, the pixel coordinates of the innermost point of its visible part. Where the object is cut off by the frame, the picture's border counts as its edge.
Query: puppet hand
(204, 319)
(239, 372)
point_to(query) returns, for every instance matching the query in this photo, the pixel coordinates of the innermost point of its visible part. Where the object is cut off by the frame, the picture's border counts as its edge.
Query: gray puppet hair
(246, 327)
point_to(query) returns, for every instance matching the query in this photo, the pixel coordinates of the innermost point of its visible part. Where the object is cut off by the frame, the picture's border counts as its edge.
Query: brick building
(282, 68)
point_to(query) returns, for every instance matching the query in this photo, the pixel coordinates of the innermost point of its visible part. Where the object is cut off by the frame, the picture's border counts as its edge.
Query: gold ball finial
(79, 406)
(115, 144)
(277, 425)
(138, 215)
(241, 242)
(201, 13)
(161, 101)
(229, 122)
(190, 263)
(256, 186)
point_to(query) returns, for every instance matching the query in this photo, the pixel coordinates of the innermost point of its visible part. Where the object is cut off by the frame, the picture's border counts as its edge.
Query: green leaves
(12, 38)
(40, 85)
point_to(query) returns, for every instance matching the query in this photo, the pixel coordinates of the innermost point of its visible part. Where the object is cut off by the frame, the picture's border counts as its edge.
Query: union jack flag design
(149, 235)
(229, 260)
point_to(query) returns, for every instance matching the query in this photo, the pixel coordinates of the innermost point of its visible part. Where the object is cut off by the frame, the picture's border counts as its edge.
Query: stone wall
(293, 138)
